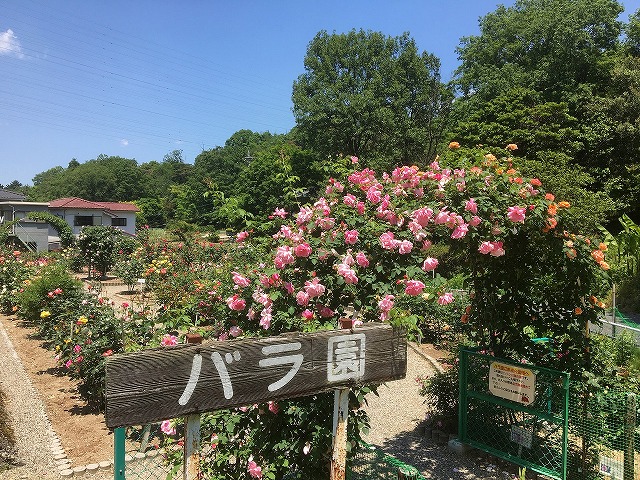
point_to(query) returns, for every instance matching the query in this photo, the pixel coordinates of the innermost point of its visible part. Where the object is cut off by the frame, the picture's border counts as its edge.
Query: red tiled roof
(75, 202)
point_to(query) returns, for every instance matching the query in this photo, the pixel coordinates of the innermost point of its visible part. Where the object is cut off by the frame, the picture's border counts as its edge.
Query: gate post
(462, 398)
(629, 429)
(119, 453)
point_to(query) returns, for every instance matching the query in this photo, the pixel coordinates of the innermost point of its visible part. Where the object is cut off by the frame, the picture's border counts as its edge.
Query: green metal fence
(138, 456)
(603, 435)
(516, 412)
(571, 429)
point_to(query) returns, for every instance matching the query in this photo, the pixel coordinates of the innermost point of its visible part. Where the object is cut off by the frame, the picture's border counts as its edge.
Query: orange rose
(511, 171)
(564, 204)
(454, 145)
(604, 265)
(550, 197)
(578, 311)
(598, 256)
(603, 247)
(512, 147)
(535, 182)
(552, 222)
(552, 209)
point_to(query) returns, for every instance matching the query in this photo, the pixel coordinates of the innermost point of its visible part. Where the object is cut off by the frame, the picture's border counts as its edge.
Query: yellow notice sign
(513, 383)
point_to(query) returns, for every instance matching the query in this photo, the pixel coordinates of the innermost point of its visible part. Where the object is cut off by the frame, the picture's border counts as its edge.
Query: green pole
(629, 429)
(565, 425)
(462, 399)
(118, 454)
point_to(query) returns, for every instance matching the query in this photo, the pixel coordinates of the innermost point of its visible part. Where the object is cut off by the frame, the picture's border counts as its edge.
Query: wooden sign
(158, 384)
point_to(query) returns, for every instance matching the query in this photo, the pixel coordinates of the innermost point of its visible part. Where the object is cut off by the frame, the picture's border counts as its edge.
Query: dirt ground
(81, 429)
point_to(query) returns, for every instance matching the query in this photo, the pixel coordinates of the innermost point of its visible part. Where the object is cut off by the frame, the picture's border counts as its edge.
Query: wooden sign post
(184, 380)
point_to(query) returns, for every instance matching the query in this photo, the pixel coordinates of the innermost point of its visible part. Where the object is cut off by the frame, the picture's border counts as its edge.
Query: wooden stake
(340, 417)
(192, 448)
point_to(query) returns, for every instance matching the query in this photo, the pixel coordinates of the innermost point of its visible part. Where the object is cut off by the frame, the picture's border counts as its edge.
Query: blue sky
(141, 78)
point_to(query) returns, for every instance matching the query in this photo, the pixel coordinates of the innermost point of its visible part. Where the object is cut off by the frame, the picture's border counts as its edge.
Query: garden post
(192, 448)
(340, 417)
(629, 429)
(119, 453)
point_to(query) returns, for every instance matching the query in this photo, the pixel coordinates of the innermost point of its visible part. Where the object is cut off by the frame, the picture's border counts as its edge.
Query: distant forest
(559, 78)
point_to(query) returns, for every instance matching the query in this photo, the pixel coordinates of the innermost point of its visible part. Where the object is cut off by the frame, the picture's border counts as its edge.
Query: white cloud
(124, 142)
(9, 44)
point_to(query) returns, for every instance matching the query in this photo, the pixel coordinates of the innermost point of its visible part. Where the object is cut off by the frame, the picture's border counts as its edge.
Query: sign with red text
(512, 382)
(169, 382)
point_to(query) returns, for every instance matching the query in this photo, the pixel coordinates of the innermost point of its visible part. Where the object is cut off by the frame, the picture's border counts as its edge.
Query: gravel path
(33, 432)
(395, 416)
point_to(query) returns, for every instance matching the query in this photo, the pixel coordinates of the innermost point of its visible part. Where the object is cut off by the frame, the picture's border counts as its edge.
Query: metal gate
(515, 411)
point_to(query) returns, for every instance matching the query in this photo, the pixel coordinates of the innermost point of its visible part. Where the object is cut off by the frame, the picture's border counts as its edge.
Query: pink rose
(254, 470)
(516, 214)
(405, 247)
(283, 257)
(273, 407)
(314, 288)
(302, 298)
(239, 280)
(279, 212)
(304, 215)
(347, 273)
(235, 331)
(302, 250)
(362, 260)
(414, 287)
(167, 427)
(307, 314)
(350, 200)
(460, 231)
(430, 264)
(350, 237)
(326, 312)
(387, 240)
(445, 298)
(386, 303)
(475, 221)
(485, 247)
(266, 318)
(242, 236)
(236, 303)
(169, 340)
(373, 194)
(497, 251)
(442, 217)
(471, 206)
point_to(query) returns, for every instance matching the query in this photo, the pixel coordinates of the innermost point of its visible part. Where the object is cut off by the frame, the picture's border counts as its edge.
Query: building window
(118, 222)
(86, 220)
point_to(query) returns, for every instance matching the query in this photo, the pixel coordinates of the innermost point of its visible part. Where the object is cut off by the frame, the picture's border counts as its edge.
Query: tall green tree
(553, 77)
(366, 94)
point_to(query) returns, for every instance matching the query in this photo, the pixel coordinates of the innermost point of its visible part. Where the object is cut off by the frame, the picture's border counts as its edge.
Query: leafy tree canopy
(370, 95)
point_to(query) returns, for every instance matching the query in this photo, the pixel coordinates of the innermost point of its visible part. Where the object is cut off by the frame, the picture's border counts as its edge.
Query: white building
(77, 212)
